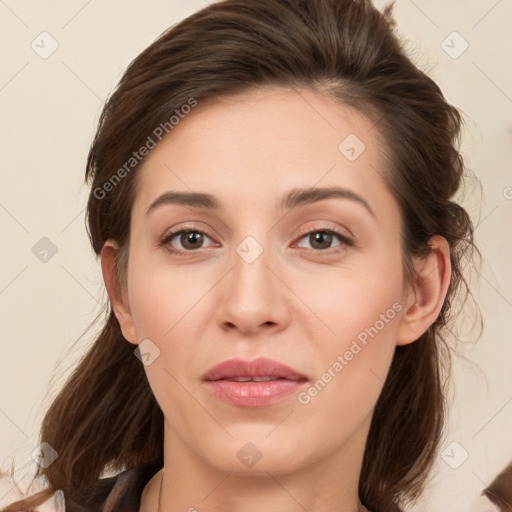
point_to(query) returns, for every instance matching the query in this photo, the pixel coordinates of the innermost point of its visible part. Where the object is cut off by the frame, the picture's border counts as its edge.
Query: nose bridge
(252, 296)
(252, 248)
(251, 277)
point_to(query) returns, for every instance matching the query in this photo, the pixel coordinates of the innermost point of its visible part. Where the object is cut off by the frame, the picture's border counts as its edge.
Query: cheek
(163, 303)
(361, 312)
(358, 302)
(352, 368)
(161, 298)
(167, 306)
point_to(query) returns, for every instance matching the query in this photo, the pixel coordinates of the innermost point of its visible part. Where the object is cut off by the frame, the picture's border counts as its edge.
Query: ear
(424, 301)
(117, 295)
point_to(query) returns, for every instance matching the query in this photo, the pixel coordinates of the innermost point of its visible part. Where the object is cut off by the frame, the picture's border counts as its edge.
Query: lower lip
(254, 394)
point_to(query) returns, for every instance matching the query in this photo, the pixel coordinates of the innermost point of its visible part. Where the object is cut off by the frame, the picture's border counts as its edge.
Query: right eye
(190, 239)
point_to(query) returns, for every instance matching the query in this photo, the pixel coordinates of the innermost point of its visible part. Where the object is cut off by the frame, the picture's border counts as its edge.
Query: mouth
(253, 383)
(254, 379)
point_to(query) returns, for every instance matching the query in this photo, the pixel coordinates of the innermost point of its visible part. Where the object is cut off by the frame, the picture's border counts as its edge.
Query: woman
(272, 190)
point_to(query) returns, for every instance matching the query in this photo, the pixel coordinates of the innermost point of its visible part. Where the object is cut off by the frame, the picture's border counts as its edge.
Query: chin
(258, 455)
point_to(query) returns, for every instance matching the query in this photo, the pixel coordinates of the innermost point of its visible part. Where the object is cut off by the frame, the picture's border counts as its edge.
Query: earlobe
(425, 300)
(117, 296)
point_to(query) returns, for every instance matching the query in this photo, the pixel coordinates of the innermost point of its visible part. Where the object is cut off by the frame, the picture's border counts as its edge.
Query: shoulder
(119, 493)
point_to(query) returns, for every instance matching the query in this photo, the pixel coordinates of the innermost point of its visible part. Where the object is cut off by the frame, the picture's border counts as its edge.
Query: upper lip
(261, 367)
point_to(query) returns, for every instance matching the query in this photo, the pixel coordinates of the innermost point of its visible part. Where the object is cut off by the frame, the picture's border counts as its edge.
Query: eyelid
(343, 229)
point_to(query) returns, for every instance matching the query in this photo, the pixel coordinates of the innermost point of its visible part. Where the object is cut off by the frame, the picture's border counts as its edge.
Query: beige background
(48, 110)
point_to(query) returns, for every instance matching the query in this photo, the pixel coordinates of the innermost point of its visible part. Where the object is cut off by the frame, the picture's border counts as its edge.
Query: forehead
(263, 143)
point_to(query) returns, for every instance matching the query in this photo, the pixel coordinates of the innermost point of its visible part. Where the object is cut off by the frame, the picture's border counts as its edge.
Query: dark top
(122, 492)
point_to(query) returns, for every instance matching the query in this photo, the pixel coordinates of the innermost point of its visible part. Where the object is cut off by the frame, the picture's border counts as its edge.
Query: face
(311, 280)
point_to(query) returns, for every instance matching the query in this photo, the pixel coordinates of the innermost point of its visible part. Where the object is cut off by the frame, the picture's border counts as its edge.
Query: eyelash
(345, 241)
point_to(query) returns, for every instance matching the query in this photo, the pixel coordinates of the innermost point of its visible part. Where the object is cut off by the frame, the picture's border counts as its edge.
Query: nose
(253, 296)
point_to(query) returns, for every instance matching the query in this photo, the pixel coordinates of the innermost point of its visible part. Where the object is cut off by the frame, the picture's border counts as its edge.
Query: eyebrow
(302, 196)
(293, 199)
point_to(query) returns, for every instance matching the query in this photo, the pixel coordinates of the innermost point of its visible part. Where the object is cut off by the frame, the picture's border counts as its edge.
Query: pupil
(322, 235)
(190, 237)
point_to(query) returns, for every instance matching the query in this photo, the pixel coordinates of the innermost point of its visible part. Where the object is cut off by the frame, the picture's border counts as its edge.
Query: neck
(160, 508)
(327, 484)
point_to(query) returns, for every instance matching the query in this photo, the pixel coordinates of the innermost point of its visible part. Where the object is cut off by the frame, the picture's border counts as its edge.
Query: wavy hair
(105, 416)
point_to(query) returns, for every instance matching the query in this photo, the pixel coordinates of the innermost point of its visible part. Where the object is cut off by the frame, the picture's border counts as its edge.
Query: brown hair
(499, 491)
(106, 415)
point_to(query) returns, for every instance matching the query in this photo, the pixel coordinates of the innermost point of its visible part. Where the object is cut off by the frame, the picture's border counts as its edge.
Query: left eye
(324, 239)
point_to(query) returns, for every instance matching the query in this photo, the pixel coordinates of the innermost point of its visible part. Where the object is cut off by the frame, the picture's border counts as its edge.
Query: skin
(300, 302)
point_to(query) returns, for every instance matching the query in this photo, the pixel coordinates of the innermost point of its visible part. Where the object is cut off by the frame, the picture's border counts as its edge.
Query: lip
(285, 381)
